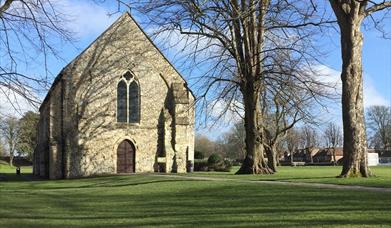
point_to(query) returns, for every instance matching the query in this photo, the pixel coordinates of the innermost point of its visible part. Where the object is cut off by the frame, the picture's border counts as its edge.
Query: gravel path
(285, 183)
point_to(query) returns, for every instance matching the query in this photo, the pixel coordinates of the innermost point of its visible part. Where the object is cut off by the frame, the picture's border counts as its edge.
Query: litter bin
(190, 167)
(17, 170)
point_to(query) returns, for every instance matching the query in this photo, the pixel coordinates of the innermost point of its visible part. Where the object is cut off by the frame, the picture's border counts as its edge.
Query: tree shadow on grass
(106, 181)
(297, 178)
(11, 177)
(194, 203)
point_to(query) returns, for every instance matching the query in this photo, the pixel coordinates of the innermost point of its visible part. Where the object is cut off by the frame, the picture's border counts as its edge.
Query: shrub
(198, 155)
(216, 163)
(200, 165)
(223, 166)
(227, 166)
(214, 159)
(237, 162)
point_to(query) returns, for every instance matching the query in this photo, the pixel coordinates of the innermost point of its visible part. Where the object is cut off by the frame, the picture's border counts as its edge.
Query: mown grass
(313, 174)
(8, 172)
(143, 200)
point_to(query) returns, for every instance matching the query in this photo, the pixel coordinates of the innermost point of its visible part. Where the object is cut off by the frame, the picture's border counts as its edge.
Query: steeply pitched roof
(126, 14)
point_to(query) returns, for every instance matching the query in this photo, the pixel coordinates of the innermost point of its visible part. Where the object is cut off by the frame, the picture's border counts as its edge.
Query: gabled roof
(126, 14)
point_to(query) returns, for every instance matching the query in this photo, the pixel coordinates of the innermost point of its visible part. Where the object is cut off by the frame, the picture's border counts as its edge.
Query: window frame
(126, 102)
(128, 82)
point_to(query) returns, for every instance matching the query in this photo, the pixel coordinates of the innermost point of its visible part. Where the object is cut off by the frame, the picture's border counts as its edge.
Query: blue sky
(88, 20)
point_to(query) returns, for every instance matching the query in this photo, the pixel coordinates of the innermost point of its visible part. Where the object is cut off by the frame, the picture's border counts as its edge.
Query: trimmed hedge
(198, 155)
(213, 163)
(200, 165)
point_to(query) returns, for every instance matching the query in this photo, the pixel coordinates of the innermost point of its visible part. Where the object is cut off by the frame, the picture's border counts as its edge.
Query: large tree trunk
(310, 149)
(277, 157)
(292, 160)
(11, 151)
(355, 158)
(254, 162)
(11, 160)
(271, 157)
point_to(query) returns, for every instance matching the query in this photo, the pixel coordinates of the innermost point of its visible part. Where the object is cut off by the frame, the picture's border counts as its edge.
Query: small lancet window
(122, 101)
(134, 103)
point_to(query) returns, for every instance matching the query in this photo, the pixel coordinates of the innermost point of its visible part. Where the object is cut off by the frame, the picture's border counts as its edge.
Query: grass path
(310, 174)
(283, 183)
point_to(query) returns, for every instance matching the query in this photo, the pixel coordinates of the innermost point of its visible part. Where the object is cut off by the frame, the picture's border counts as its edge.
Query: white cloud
(371, 94)
(12, 104)
(329, 75)
(220, 118)
(224, 112)
(86, 17)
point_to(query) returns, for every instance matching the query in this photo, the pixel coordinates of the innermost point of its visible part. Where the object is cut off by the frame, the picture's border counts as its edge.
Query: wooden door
(125, 157)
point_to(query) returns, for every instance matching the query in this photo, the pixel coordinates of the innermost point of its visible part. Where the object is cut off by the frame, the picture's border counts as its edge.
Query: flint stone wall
(78, 131)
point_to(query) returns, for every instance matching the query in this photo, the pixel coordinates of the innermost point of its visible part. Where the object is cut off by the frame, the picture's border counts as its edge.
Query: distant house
(314, 155)
(302, 155)
(384, 156)
(326, 155)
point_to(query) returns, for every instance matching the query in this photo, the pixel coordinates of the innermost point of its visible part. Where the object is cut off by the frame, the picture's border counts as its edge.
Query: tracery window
(128, 99)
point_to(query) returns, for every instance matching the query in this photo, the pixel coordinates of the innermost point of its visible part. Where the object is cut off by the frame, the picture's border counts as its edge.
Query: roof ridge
(127, 13)
(60, 74)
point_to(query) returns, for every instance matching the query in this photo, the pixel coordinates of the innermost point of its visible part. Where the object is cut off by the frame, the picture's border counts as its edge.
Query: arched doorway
(125, 157)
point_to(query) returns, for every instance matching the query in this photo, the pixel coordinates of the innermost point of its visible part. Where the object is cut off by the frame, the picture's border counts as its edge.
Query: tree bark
(310, 149)
(271, 157)
(11, 160)
(11, 151)
(355, 155)
(254, 162)
(249, 34)
(292, 157)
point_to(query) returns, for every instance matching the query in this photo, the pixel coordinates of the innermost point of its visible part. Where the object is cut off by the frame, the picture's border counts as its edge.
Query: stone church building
(119, 107)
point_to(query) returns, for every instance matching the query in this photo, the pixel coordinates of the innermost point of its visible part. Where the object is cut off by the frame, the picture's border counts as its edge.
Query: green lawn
(143, 200)
(8, 172)
(315, 174)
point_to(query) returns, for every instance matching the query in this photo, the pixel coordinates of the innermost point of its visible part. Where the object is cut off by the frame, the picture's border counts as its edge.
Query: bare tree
(309, 138)
(285, 102)
(2, 147)
(350, 15)
(279, 119)
(9, 128)
(292, 141)
(234, 141)
(234, 43)
(379, 122)
(29, 31)
(204, 145)
(333, 137)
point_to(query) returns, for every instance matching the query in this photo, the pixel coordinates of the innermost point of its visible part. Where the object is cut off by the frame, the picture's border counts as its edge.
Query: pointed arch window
(121, 102)
(128, 99)
(134, 106)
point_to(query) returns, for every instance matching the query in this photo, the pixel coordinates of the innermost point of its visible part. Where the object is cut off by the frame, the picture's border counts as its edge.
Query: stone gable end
(79, 132)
